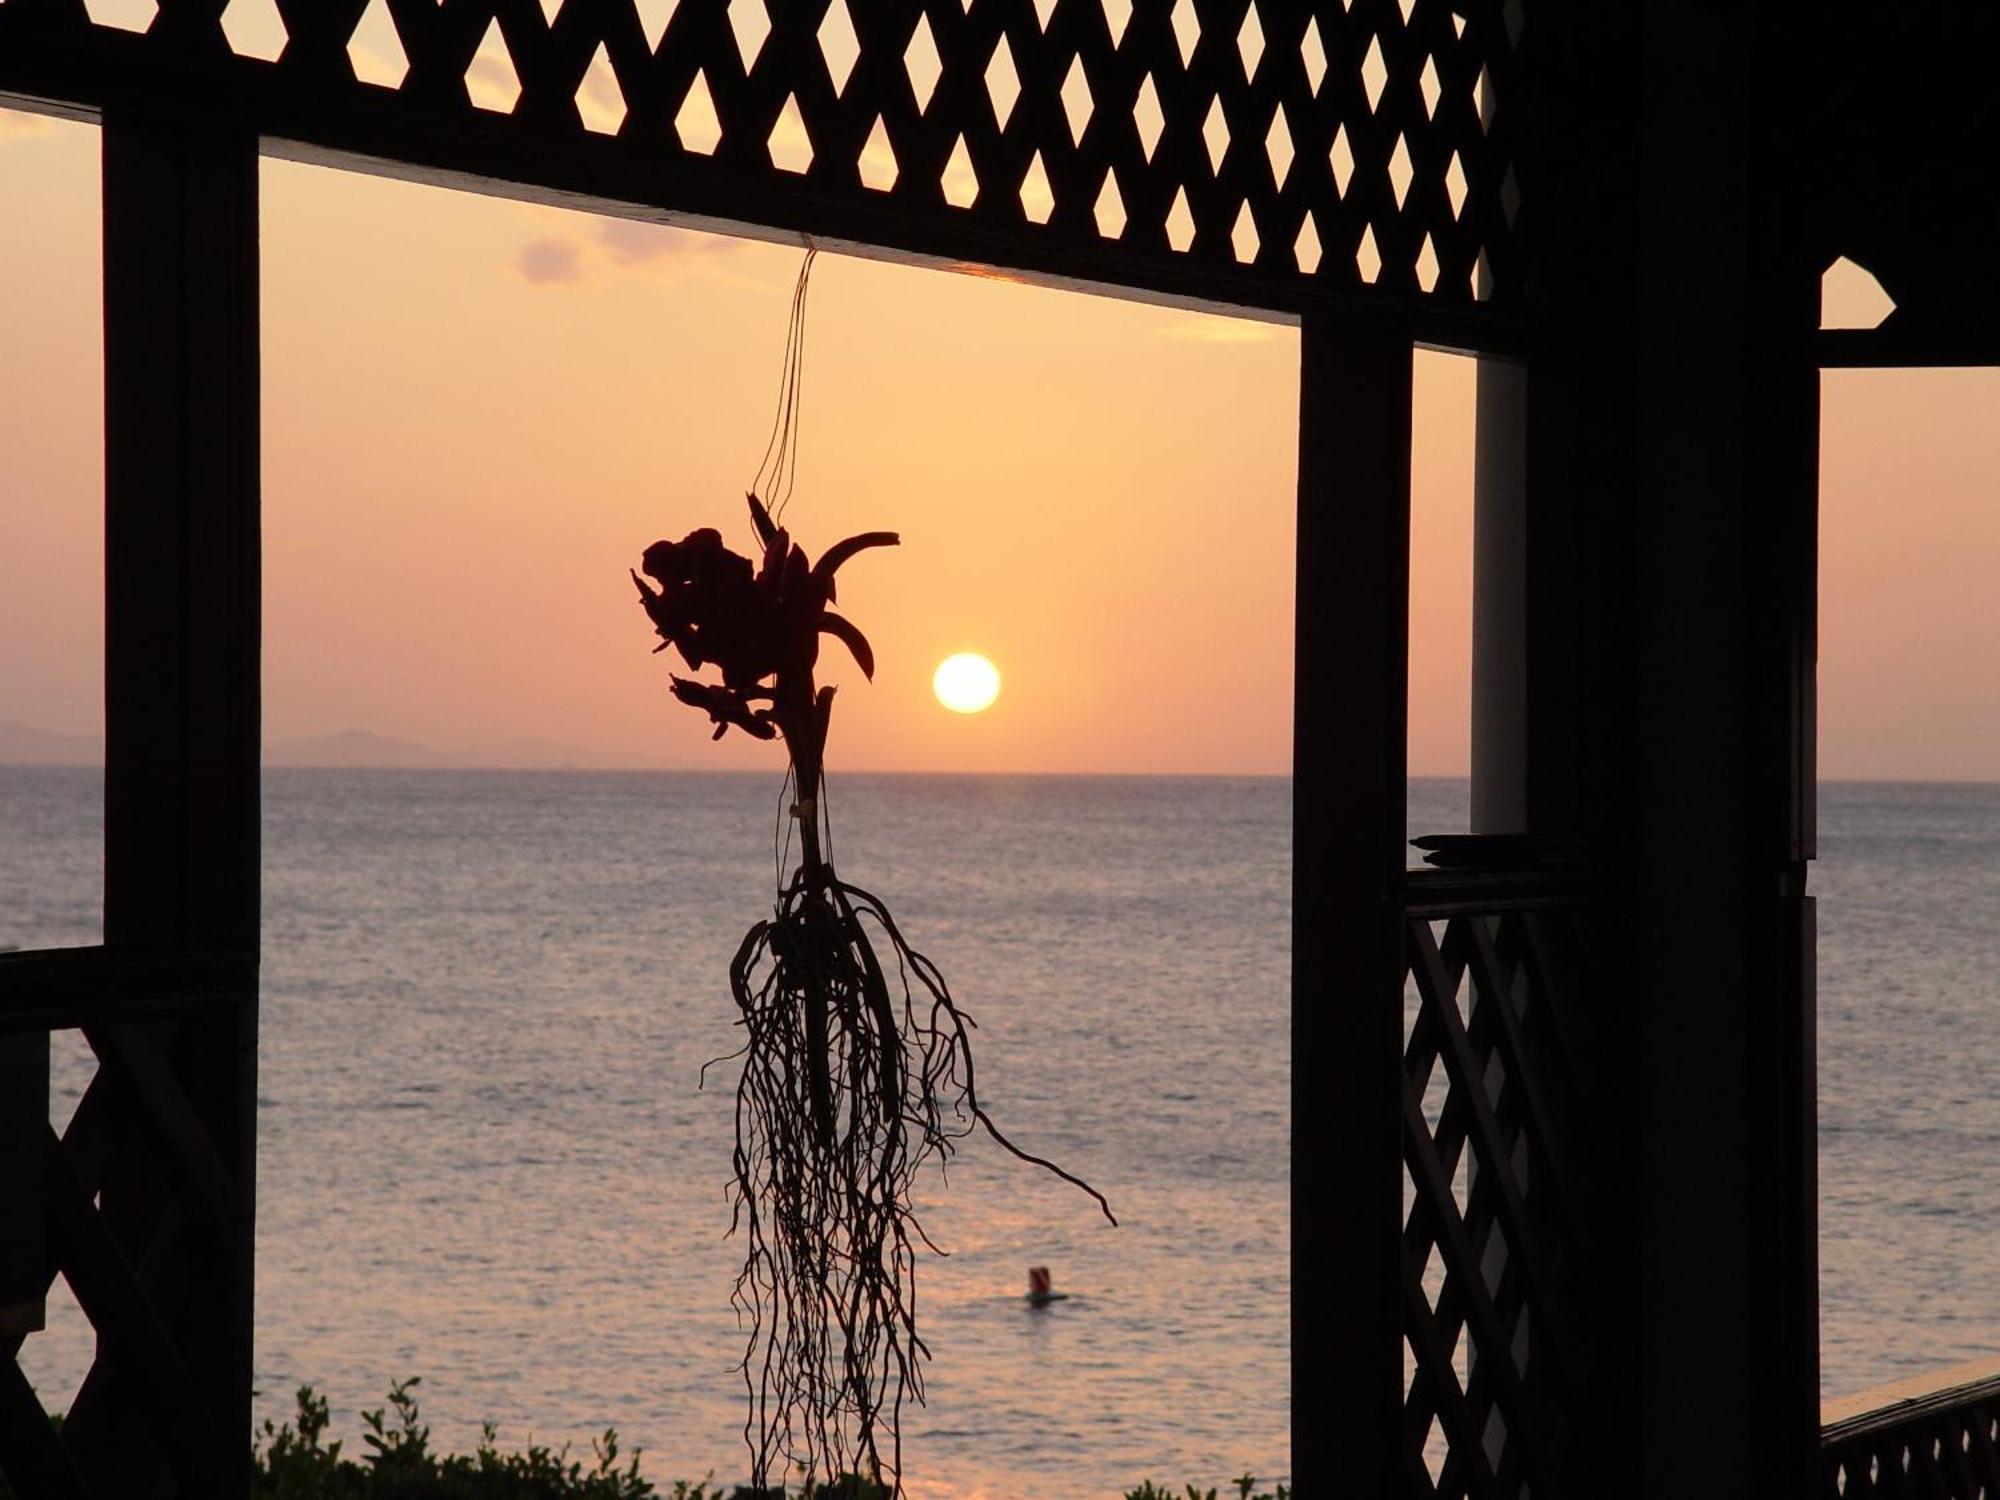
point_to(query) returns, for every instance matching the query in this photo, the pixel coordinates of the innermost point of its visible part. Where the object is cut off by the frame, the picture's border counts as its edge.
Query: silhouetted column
(1722, 577)
(182, 588)
(1670, 606)
(182, 624)
(1350, 731)
(1500, 601)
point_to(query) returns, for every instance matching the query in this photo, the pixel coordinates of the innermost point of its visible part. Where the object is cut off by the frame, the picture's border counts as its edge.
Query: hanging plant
(856, 1062)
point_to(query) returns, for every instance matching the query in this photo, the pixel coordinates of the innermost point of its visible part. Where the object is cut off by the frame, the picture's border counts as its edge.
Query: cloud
(19, 125)
(559, 257)
(1217, 330)
(631, 243)
(547, 262)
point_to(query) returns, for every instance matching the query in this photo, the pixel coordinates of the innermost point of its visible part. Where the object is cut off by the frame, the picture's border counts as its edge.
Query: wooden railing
(1936, 1437)
(1497, 1240)
(142, 1206)
(1492, 1237)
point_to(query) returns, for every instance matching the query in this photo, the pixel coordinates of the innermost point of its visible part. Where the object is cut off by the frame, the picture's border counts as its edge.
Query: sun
(966, 683)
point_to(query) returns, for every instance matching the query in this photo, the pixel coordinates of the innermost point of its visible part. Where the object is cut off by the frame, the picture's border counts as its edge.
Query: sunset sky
(478, 413)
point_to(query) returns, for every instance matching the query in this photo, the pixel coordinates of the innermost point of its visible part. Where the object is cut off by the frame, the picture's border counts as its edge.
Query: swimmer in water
(1040, 1292)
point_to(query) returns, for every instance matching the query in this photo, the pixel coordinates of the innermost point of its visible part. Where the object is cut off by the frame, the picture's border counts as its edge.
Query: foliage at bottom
(295, 1461)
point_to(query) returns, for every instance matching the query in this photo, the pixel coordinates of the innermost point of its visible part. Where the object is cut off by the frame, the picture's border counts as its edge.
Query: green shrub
(1244, 1484)
(295, 1461)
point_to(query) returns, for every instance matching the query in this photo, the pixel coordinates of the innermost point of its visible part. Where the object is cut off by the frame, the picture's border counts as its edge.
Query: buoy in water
(1040, 1291)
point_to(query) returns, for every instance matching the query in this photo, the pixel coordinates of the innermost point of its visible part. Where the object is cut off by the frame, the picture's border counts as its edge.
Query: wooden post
(1722, 568)
(182, 623)
(1500, 602)
(24, 1234)
(182, 591)
(1350, 733)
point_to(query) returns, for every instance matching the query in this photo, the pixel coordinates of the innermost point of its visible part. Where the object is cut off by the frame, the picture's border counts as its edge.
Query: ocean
(484, 1158)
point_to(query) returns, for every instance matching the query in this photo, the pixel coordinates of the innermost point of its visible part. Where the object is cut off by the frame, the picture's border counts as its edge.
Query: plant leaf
(839, 553)
(833, 625)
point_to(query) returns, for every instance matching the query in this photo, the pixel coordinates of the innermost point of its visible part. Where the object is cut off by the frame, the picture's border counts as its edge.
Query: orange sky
(477, 413)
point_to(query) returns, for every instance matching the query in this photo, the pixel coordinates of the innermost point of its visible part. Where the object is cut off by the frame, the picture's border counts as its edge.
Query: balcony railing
(1493, 1237)
(1936, 1437)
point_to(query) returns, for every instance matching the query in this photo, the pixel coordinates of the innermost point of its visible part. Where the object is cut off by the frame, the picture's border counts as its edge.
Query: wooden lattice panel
(141, 1205)
(1490, 1246)
(1265, 153)
(141, 1214)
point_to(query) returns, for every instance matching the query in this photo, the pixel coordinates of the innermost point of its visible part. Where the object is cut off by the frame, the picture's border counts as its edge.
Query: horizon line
(924, 771)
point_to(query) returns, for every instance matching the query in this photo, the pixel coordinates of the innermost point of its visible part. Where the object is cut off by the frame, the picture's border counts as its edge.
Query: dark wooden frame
(1403, 81)
(1664, 547)
(170, 998)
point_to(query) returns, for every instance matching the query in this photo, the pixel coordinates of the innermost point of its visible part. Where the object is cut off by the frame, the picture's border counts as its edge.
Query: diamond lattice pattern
(1369, 142)
(140, 1209)
(1489, 1243)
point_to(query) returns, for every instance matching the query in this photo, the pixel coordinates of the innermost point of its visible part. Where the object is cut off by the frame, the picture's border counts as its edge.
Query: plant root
(852, 1080)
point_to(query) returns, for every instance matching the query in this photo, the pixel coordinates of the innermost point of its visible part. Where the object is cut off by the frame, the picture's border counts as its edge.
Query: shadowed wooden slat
(1558, 1182)
(1433, 1350)
(1467, 1075)
(31, 1457)
(1550, 981)
(835, 127)
(1484, 1326)
(91, 1135)
(1982, 1441)
(133, 1335)
(170, 1122)
(1960, 1460)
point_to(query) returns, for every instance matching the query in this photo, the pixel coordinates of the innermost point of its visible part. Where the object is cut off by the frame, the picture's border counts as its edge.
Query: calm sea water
(484, 1159)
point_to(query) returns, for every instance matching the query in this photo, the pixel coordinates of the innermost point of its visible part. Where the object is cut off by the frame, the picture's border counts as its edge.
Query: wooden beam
(1901, 349)
(67, 987)
(306, 109)
(1350, 730)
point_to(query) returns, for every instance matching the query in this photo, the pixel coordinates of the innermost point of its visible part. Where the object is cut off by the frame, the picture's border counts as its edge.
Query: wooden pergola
(1553, 1111)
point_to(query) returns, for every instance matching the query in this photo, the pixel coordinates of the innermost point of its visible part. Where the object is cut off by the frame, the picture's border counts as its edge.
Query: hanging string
(781, 831)
(777, 471)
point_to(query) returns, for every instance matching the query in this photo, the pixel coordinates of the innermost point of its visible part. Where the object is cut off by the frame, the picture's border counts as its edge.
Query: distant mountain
(25, 745)
(364, 750)
(538, 755)
(358, 748)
